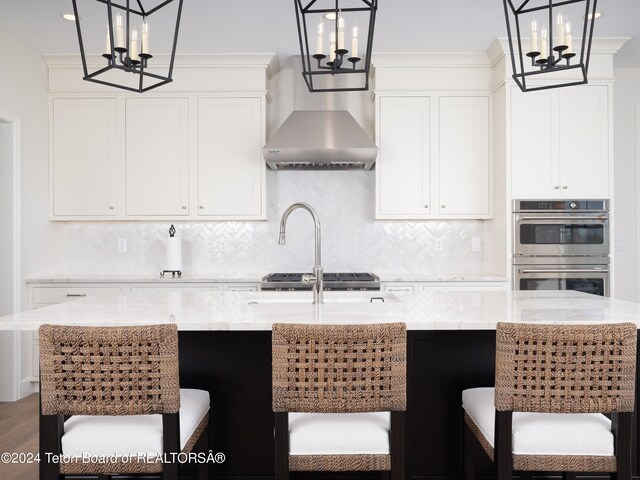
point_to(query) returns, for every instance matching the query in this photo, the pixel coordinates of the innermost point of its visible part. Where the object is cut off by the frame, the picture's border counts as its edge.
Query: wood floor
(19, 434)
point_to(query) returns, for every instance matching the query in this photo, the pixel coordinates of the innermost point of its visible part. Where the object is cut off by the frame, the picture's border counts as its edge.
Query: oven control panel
(560, 205)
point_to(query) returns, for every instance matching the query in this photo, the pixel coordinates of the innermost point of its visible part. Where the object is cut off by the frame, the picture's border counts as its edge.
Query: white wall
(23, 98)
(6, 218)
(626, 95)
(8, 377)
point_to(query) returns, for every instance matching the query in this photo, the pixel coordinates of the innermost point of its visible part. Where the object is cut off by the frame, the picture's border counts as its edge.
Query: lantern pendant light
(336, 38)
(550, 56)
(127, 46)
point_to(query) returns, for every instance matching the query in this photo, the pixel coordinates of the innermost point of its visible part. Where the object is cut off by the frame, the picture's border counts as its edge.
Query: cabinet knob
(184, 207)
(201, 207)
(443, 206)
(557, 187)
(111, 207)
(426, 206)
(564, 187)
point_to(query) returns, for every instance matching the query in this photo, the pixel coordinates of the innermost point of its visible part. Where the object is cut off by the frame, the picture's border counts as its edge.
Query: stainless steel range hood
(320, 140)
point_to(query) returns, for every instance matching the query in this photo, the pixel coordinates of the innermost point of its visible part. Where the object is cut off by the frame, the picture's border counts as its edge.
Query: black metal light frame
(118, 58)
(312, 64)
(553, 63)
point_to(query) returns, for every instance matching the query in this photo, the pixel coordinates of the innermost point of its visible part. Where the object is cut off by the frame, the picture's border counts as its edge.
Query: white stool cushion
(339, 433)
(131, 434)
(543, 433)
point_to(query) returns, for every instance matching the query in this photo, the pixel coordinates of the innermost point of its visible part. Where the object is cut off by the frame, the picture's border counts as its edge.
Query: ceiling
(216, 26)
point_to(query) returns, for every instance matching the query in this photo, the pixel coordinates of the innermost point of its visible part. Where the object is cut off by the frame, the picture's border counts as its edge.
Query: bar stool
(339, 398)
(119, 388)
(552, 385)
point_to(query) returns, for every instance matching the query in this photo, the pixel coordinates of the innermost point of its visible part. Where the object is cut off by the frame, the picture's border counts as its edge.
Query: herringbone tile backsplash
(351, 239)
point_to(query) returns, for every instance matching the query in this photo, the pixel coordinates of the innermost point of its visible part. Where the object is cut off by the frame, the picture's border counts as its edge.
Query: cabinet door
(584, 146)
(463, 160)
(157, 156)
(534, 140)
(403, 165)
(231, 170)
(83, 159)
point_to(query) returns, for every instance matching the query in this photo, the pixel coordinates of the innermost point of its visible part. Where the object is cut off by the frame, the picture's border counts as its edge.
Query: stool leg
(468, 463)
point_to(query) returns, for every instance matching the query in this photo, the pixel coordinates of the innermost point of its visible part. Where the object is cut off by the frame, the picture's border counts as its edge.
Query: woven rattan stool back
(565, 368)
(109, 370)
(339, 368)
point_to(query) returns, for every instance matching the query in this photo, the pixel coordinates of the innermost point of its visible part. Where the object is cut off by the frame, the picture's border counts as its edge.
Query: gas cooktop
(332, 281)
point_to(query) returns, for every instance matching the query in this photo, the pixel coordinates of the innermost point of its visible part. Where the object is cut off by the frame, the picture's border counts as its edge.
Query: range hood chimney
(320, 140)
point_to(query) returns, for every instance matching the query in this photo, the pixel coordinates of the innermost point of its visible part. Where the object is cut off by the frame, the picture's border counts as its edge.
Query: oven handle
(568, 270)
(560, 217)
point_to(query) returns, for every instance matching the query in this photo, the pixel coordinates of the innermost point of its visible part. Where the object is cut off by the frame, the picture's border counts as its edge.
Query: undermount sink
(329, 297)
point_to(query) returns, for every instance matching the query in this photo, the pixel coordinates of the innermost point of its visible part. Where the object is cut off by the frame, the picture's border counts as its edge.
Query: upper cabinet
(190, 150)
(157, 156)
(231, 170)
(83, 158)
(560, 142)
(434, 159)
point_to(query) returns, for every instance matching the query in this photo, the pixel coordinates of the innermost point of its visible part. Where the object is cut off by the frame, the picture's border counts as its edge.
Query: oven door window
(561, 234)
(594, 286)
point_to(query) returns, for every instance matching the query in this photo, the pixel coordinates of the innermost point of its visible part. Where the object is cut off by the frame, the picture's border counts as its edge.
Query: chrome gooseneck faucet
(316, 278)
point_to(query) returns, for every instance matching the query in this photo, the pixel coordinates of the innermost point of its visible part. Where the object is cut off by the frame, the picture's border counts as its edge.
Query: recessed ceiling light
(69, 16)
(597, 15)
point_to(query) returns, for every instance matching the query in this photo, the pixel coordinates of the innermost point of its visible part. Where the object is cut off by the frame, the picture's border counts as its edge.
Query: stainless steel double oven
(561, 245)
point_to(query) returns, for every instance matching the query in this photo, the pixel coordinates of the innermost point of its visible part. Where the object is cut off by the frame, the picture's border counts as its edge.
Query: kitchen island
(225, 347)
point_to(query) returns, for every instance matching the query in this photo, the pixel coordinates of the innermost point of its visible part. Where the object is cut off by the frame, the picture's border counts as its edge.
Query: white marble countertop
(252, 278)
(436, 310)
(147, 278)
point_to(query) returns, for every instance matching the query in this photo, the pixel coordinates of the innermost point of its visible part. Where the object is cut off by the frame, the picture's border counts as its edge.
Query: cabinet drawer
(242, 288)
(399, 288)
(47, 295)
(174, 288)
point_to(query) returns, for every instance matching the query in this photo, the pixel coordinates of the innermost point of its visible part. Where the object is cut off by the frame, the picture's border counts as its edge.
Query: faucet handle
(308, 279)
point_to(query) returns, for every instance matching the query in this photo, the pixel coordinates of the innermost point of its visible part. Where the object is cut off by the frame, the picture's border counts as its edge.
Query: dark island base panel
(235, 367)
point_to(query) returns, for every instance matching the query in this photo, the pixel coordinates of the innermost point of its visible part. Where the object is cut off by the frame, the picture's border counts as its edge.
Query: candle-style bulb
(544, 53)
(107, 45)
(145, 36)
(120, 41)
(332, 46)
(134, 52)
(340, 31)
(534, 36)
(320, 37)
(354, 41)
(568, 37)
(560, 29)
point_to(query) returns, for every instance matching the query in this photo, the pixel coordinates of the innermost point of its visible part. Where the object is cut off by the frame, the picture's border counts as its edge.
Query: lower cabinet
(450, 286)
(44, 295)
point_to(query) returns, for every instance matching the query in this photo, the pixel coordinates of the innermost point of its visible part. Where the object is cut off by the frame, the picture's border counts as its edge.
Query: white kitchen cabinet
(231, 170)
(42, 295)
(399, 287)
(157, 157)
(193, 157)
(403, 167)
(463, 159)
(464, 286)
(458, 285)
(434, 159)
(560, 142)
(83, 153)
